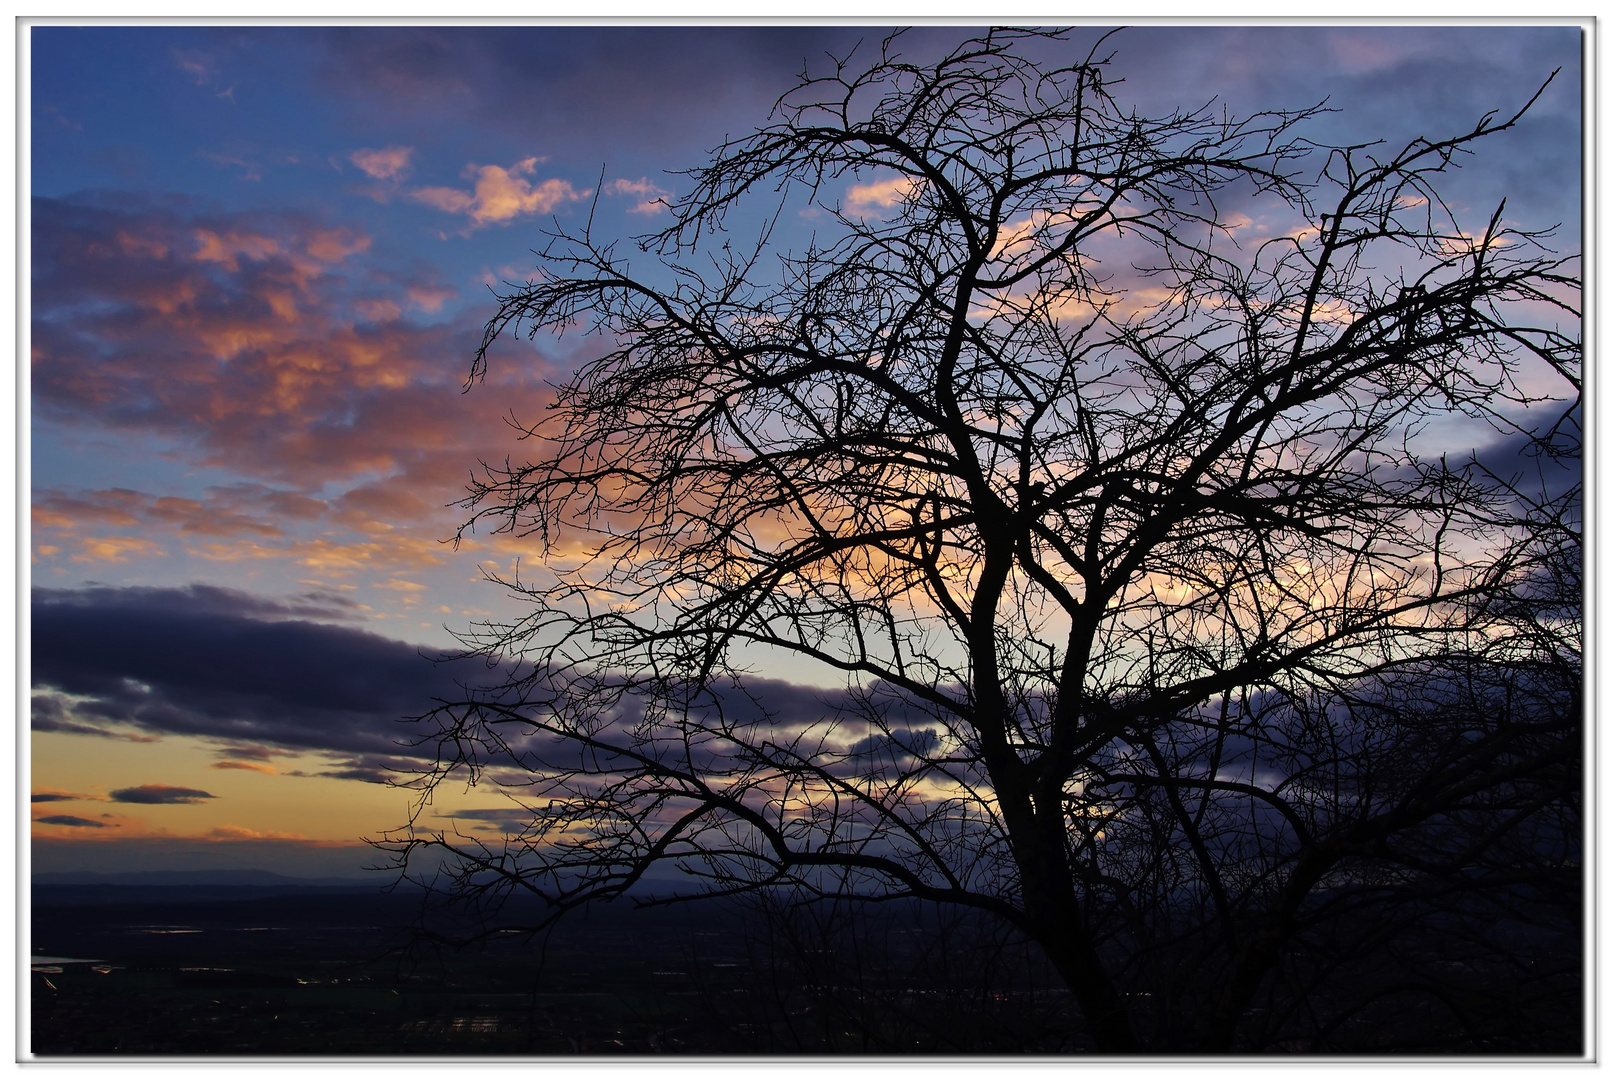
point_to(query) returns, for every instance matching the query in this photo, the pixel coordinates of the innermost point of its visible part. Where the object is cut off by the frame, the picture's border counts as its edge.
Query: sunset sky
(261, 261)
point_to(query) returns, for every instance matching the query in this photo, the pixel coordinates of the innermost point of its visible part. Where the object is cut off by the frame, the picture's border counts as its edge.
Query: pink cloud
(390, 163)
(500, 195)
(226, 250)
(428, 298)
(219, 515)
(269, 345)
(653, 199)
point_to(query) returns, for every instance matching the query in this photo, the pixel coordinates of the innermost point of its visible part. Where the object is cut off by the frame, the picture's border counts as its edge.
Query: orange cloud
(115, 549)
(399, 585)
(500, 194)
(236, 832)
(332, 557)
(338, 558)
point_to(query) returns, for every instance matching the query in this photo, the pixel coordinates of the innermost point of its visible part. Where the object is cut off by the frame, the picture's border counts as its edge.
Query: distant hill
(263, 878)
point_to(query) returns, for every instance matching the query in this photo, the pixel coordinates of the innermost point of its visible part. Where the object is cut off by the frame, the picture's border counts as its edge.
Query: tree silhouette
(1184, 619)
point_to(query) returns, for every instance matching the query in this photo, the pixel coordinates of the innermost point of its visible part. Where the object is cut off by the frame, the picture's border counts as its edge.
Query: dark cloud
(73, 822)
(161, 795)
(604, 93)
(198, 601)
(361, 774)
(50, 713)
(233, 668)
(248, 752)
(899, 744)
(596, 90)
(1543, 468)
(507, 819)
(51, 796)
(228, 666)
(376, 769)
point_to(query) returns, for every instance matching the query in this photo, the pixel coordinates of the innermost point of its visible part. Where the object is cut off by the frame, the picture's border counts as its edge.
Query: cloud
(244, 522)
(73, 822)
(237, 832)
(500, 195)
(333, 557)
(246, 766)
(595, 88)
(653, 199)
(250, 170)
(115, 549)
(240, 670)
(48, 796)
(220, 514)
(237, 670)
(272, 345)
(881, 194)
(235, 333)
(160, 795)
(428, 298)
(898, 744)
(390, 163)
(362, 773)
(399, 585)
(199, 600)
(197, 63)
(246, 752)
(50, 714)
(504, 819)
(1535, 474)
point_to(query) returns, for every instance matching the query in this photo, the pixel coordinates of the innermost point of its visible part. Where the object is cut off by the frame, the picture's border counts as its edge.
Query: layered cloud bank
(244, 672)
(254, 677)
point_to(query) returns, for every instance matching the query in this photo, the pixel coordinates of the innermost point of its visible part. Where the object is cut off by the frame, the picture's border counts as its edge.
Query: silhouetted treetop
(1138, 476)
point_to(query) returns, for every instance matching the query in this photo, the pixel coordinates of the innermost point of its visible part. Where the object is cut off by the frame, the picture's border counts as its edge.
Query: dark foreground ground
(235, 970)
(256, 971)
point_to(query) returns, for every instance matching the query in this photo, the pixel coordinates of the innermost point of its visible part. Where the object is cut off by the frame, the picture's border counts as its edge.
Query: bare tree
(1178, 622)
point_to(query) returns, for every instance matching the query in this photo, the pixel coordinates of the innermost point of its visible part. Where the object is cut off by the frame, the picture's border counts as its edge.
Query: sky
(261, 260)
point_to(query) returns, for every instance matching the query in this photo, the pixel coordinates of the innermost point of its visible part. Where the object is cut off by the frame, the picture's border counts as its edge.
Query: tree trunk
(1058, 926)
